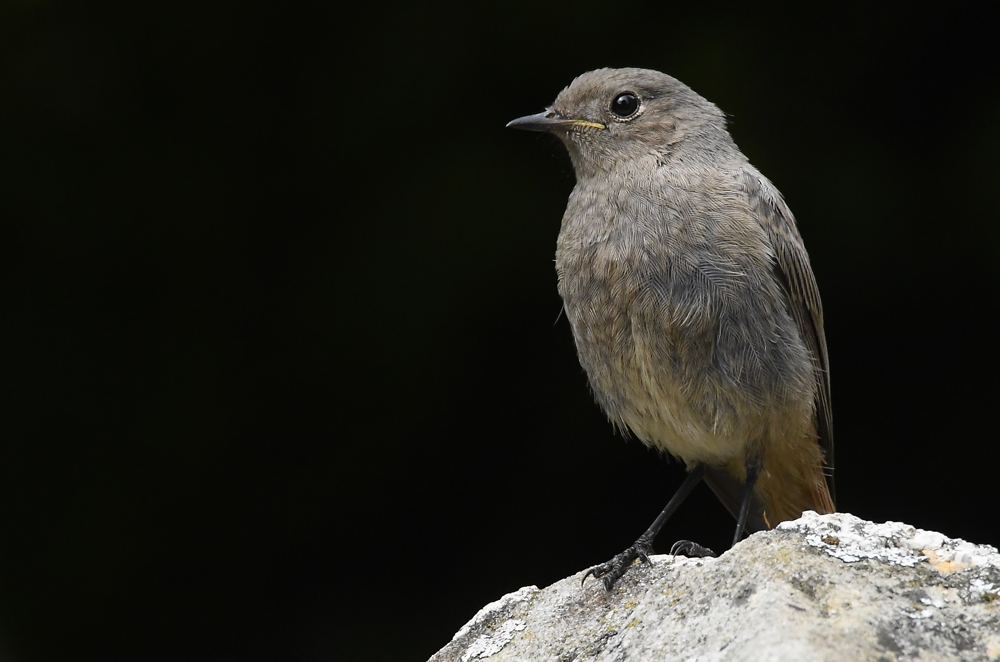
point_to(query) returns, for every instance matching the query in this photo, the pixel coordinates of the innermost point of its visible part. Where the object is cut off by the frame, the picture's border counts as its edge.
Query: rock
(823, 587)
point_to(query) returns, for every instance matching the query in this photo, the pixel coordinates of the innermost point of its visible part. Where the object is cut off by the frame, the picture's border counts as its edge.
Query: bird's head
(612, 118)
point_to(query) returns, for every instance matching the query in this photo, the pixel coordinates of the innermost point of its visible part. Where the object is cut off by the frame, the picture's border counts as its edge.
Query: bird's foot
(614, 569)
(690, 549)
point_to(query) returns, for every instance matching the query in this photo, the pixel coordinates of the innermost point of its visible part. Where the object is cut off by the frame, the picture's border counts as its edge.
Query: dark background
(281, 371)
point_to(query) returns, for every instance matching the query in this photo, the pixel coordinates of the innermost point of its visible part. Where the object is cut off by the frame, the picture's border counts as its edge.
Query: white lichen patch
(497, 607)
(851, 539)
(923, 613)
(680, 560)
(491, 644)
(982, 590)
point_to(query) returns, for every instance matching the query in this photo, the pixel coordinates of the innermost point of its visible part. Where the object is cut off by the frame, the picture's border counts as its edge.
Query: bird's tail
(788, 493)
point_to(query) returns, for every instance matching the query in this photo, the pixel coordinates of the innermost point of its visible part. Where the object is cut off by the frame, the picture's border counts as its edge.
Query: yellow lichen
(943, 567)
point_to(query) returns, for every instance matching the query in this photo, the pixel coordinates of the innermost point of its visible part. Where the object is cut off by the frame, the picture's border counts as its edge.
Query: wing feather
(793, 271)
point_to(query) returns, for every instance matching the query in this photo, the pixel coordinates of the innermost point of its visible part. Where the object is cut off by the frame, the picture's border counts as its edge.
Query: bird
(693, 305)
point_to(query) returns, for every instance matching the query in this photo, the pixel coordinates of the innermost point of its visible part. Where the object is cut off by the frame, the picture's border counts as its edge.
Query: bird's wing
(792, 270)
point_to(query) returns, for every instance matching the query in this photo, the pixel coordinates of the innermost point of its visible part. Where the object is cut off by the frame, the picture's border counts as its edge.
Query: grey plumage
(693, 305)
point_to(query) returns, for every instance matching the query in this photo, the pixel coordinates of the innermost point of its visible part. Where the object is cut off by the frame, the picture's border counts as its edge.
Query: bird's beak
(550, 120)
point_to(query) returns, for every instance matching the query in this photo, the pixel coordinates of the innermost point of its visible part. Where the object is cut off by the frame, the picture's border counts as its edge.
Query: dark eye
(625, 104)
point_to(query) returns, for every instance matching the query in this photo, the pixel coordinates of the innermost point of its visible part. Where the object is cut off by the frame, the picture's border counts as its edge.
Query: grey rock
(822, 587)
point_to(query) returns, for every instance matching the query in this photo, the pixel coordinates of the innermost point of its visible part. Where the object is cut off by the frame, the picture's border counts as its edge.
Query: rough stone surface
(823, 587)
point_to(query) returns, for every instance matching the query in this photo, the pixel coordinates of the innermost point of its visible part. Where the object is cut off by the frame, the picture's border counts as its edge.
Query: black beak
(544, 121)
(549, 120)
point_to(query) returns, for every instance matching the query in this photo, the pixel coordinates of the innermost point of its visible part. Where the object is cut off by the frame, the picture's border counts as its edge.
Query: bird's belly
(682, 433)
(671, 376)
(662, 402)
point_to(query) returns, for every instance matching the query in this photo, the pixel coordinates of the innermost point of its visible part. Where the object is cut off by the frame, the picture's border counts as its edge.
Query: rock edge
(822, 587)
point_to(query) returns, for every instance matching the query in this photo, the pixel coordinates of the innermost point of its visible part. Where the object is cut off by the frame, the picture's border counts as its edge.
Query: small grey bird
(694, 309)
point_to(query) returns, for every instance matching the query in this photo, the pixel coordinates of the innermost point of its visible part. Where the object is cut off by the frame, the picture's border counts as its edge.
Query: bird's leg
(753, 471)
(688, 548)
(613, 570)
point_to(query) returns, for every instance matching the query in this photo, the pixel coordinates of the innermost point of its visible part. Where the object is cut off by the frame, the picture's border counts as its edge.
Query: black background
(281, 371)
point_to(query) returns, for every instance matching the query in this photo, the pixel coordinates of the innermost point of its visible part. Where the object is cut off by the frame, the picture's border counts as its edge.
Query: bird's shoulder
(768, 208)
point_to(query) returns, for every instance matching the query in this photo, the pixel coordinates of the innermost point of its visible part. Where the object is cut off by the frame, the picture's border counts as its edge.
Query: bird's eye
(625, 104)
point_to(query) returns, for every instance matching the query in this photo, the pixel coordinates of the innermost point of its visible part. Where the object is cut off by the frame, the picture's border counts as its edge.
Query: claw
(690, 549)
(614, 569)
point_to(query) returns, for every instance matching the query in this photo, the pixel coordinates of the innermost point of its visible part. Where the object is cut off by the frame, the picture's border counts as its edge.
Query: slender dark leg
(753, 471)
(611, 571)
(688, 548)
